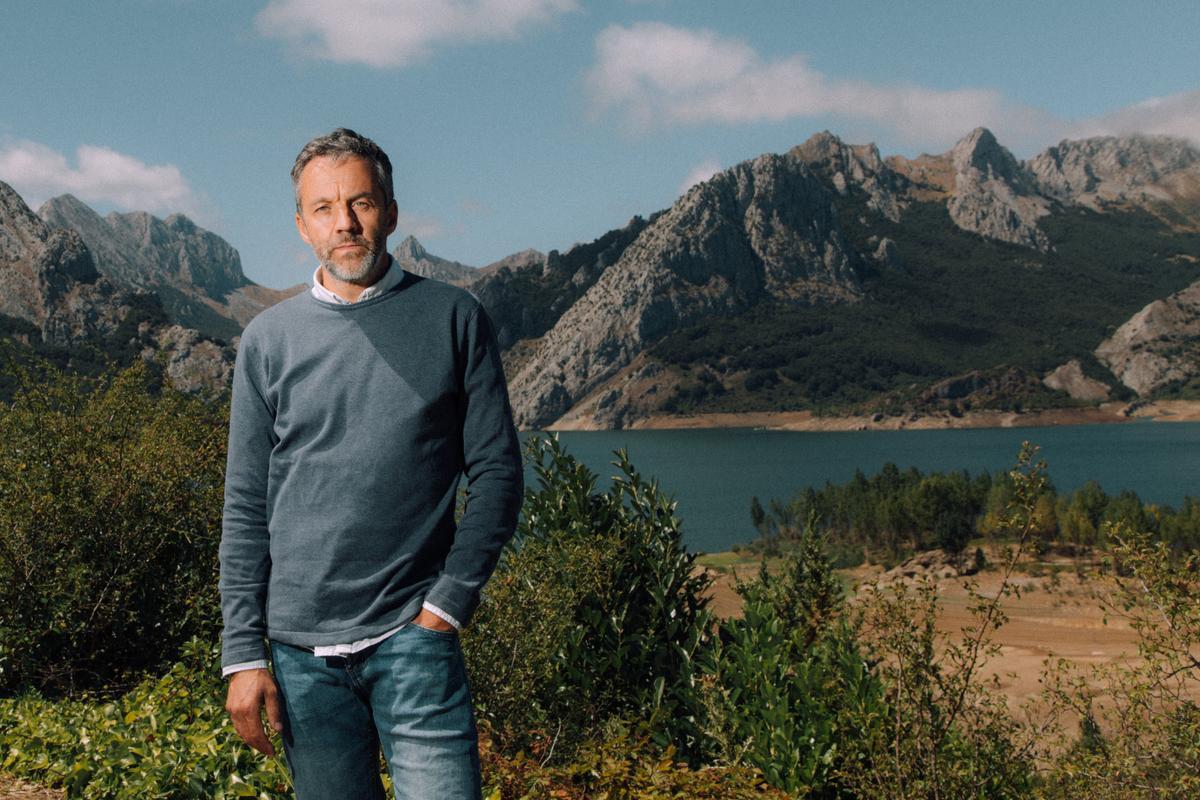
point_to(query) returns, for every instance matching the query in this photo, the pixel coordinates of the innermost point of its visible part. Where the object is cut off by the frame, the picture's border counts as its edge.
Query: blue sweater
(349, 430)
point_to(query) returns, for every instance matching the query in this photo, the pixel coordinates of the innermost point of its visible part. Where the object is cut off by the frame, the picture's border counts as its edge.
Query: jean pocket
(452, 634)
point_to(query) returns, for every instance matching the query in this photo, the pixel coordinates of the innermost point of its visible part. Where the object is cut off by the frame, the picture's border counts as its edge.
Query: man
(356, 408)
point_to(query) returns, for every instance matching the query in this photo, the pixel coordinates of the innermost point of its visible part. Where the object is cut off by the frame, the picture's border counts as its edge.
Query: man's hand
(249, 691)
(428, 619)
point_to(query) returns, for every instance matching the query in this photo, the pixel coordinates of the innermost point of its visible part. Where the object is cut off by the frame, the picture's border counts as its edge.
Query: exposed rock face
(994, 196)
(48, 278)
(527, 293)
(525, 259)
(1158, 345)
(193, 362)
(1069, 378)
(197, 274)
(1106, 169)
(411, 255)
(763, 229)
(844, 165)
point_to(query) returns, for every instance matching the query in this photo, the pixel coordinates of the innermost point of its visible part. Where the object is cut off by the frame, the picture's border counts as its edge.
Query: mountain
(415, 259)
(55, 302)
(197, 274)
(831, 277)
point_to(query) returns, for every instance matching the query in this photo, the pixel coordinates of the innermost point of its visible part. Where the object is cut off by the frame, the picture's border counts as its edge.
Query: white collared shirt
(390, 279)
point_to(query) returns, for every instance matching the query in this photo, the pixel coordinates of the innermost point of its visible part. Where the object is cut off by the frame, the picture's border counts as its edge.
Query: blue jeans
(408, 693)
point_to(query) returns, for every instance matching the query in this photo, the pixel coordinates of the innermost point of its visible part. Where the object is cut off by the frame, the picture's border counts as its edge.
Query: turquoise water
(714, 473)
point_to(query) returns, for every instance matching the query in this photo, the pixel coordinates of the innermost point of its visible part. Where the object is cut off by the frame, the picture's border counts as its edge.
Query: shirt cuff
(245, 665)
(437, 612)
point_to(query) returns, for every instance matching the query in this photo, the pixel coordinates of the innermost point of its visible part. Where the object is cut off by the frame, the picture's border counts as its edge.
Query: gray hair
(344, 143)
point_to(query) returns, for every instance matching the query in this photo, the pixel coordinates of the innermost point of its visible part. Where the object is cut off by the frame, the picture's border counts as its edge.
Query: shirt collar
(391, 278)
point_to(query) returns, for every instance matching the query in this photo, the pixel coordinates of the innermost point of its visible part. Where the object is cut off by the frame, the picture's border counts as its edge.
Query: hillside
(833, 279)
(56, 304)
(196, 274)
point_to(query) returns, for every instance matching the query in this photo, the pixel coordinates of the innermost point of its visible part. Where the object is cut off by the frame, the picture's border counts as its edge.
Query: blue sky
(540, 123)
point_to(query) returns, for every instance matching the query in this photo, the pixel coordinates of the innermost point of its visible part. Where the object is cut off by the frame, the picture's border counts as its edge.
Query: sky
(541, 123)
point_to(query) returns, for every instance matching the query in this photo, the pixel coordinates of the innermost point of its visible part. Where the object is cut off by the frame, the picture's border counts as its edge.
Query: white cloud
(698, 174)
(653, 75)
(100, 175)
(391, 34)
(1174, 115)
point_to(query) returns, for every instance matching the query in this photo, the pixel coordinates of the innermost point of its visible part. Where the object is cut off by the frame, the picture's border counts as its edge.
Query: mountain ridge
(678, 271)
(197, 274)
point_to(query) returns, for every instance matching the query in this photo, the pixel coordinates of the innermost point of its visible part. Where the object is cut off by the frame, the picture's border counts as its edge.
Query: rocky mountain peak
(20, 229)
(413, 257)
(845, 165)
(181, 224)
(410, 248)
(49, 279)
(764, 229)
(197, 274)
(994, 195)
(1110, 169)
(980, 151)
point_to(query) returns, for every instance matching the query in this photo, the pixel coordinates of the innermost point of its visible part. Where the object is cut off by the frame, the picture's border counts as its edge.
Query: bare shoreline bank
(1106, 413)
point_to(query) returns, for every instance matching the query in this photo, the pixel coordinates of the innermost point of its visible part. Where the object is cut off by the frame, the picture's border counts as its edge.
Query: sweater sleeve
(245, 544)
(492, 464)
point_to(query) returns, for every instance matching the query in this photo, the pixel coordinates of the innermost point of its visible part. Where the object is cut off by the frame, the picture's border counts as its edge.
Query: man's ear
(393, 212)
(302, 230)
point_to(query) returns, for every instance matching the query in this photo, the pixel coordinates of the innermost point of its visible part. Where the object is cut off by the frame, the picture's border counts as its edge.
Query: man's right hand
(249, 691)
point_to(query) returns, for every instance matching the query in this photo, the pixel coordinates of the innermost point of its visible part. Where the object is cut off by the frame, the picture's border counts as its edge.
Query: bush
(786, 675)
(110, 508)
(594, 615)
(1139, 733)
(168, 737)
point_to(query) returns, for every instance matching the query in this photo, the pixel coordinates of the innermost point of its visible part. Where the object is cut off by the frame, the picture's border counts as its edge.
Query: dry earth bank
(1159, 411)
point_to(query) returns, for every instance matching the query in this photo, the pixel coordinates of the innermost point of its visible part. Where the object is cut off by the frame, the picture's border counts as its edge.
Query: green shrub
(785, 676)
(946, 732)
(1139, 722)
(110, 508)
(168, 737)
(621, 766)
(594, 615)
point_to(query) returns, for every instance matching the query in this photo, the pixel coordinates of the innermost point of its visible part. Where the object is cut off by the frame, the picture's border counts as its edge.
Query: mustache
(361, 241)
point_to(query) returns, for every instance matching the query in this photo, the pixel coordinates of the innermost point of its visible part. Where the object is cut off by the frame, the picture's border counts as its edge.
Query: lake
(714, 473)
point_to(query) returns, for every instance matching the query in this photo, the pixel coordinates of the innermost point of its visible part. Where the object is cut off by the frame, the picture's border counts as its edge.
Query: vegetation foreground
(599, 669)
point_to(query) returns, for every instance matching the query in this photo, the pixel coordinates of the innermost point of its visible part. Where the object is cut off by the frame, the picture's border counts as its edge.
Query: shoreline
(1104, 414)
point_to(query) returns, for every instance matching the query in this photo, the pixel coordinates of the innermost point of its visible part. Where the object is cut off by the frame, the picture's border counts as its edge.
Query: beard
(362, 272)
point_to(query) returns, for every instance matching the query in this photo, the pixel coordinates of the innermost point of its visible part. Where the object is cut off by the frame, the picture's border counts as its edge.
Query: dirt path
(16, 789)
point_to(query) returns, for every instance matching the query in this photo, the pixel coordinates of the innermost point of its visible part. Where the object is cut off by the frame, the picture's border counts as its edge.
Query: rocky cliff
(48, 278)
(772, 231)
(197, 274)
(994, 195)
(1158, 345)
(765, 229)
(1108, 170)
(411, 255)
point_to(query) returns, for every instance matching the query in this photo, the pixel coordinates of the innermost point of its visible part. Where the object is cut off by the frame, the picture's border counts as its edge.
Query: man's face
(345, 217)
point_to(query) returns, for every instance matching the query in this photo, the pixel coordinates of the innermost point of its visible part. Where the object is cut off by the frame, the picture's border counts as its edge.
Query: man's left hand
(428, 619)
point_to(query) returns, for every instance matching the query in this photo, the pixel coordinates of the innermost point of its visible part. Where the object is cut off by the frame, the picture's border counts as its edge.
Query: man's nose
(346, 219)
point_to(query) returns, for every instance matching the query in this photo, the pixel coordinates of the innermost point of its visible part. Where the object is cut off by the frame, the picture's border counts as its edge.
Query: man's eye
(320, 209)
(362, 204)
